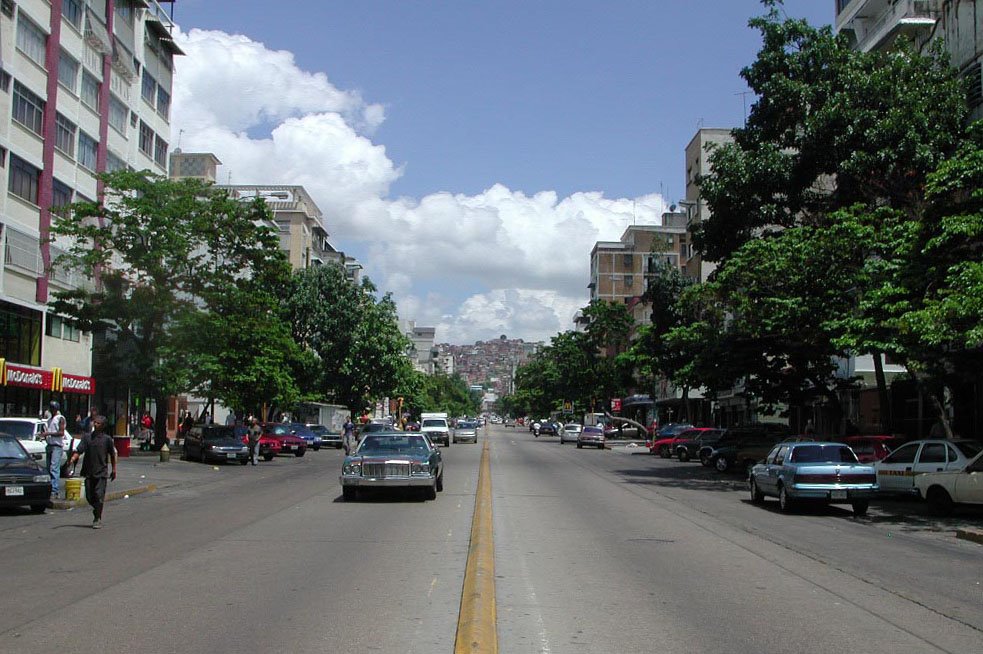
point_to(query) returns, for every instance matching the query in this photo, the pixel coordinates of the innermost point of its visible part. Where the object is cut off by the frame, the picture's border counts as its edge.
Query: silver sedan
(569, 433)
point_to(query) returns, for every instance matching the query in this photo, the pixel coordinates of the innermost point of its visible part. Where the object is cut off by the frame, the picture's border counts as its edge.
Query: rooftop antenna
(744, 95)
(230, 179)
(634, 218)
(179, 135)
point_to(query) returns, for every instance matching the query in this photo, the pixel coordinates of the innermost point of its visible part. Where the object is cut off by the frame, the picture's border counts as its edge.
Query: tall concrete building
(423, 353)
(620, 270)
(879, 24)
(696, 209)
(86, 88)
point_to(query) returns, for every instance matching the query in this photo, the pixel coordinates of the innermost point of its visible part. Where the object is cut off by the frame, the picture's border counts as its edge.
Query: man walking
(100, 454)
(54, 445)
(253, 436)
(349, 436)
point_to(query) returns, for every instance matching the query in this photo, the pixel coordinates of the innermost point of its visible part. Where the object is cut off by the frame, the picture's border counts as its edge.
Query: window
(20, 334)
(124, 11)
(90, 91)
(23, 181)
(133, 119)
(61, 198)
(58, 327)
(932, 453)
(160, 151)
(114, 163)
(146, 139)
(148, 88)
(28, 108)
(118, 113)
(7, 7)
(905, 454)
(87, 150)
(65, 135)
(4, 81)
(72, 12)
(31, 40)
(629, 280)
(68, 71)
(163, 103)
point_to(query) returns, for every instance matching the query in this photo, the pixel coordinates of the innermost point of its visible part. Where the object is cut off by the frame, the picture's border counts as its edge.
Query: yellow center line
(476, 623)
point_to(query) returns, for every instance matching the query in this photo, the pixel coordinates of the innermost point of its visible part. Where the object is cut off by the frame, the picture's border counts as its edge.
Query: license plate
(293, 447)
(13, 491)
(837, 495)
(230, 455)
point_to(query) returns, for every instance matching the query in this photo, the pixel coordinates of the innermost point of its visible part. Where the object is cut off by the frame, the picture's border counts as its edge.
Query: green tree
(160, 252)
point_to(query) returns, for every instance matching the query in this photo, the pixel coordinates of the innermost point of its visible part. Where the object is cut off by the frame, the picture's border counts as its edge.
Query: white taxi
(896, 472)
(942, 490)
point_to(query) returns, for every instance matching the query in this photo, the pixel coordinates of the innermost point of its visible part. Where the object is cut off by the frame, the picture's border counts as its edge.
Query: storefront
(27, 390)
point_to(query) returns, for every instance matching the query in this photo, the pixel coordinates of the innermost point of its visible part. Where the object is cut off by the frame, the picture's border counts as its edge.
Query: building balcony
(876, 24)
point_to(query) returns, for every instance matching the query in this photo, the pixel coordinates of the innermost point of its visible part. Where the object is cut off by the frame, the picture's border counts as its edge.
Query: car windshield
(592, 430)
(319, 429)
(467, 425)
(969, 448)
(301, 430)
(10, 449)
(18, 428)
(823, 454)
(440, 424)
(393, 444)
(217, 433)
(374, 426)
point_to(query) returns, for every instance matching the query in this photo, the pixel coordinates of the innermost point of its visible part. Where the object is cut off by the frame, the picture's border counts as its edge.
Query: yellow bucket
(73, 488)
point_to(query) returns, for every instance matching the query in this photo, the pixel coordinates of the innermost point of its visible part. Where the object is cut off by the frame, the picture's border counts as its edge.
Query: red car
(281, 434)
(665, 447)
(870, 449)
(269, 446)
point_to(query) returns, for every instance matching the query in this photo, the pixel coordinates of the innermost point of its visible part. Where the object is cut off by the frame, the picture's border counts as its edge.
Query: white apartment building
(85, 87)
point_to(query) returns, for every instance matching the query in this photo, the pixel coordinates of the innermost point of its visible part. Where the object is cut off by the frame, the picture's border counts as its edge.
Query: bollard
(165, 453)
(73, 489)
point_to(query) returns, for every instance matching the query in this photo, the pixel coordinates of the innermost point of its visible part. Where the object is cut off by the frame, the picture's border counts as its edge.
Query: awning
(164, 35)
(96, 34)
(123, 61)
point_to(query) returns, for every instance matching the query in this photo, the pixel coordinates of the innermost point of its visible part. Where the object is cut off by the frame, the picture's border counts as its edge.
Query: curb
(974, 535)
(63, 505)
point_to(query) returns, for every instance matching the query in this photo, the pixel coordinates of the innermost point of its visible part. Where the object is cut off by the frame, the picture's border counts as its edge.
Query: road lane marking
(476, 624)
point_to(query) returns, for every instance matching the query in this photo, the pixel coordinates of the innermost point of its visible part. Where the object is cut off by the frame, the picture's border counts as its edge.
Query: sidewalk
(141, 472)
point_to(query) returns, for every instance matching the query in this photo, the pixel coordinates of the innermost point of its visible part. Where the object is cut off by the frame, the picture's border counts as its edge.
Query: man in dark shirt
(99, 456)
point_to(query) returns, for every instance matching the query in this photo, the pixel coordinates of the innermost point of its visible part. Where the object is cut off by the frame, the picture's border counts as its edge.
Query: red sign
(616, 405)
(78, 384)
(26, 377)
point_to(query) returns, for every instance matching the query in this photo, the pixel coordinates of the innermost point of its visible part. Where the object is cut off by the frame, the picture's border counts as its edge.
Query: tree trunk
(685, 417)
(883, 398)
(943, 418)
(834, 404)
(160, 422)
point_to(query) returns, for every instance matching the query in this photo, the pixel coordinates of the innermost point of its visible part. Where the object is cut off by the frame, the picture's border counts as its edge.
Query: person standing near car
(252, 437)
(54, 445)
(349, 436)
(98, 466)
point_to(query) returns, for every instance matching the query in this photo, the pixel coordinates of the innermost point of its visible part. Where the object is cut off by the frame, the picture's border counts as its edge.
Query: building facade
(85, 87)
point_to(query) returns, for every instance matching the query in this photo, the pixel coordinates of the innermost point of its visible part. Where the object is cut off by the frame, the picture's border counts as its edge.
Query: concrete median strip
(476, 623)
(111, 496)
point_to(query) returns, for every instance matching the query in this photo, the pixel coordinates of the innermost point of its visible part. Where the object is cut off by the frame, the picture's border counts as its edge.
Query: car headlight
(42, 479)
(420, 469)
(244, 449)
(352, 469)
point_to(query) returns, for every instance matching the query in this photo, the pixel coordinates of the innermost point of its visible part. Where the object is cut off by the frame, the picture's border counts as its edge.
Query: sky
(468, 153)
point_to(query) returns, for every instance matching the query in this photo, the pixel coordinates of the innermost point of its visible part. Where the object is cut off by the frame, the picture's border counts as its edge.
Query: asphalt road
(595, 551)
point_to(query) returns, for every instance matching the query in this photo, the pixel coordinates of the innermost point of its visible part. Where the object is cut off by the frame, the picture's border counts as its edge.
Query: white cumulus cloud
(474, 266)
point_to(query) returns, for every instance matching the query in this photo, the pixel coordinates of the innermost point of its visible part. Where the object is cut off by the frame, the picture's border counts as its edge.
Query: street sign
(616, 405)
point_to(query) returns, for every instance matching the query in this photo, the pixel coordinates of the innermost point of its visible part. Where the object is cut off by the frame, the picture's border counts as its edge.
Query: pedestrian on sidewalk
(255, 431)
(349, 436)
(54, 445)
(99, 453)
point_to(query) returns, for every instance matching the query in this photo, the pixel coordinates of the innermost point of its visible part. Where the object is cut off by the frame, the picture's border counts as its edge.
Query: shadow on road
(385, 496)
(683, 475)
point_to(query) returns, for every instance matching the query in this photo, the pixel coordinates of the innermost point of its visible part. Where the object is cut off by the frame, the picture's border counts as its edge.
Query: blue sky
(479, 118)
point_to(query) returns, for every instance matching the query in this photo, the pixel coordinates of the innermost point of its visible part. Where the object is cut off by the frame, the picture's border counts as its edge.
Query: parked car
(282, 433)
(300, 429)
(570, 432)
(27, 431)
(466, 431)
(813, 471)
(393, 460)
(667, 437)
(23, 482)
(593, 436)
(326, 437)
(217, 443)
(723, 453)
(749, 453)
(943, 490)
(871, 448)
(548, 427)
(896, 472)
(689, 444)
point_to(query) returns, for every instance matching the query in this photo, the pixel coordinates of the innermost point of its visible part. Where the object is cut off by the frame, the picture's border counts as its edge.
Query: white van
(436, 427)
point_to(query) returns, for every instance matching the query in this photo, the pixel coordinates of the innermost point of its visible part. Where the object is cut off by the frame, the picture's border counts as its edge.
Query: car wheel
(440, 482)
(268, 457)
(785, 502)
(860, 507)
(38, 508)
(705, 459)
(349, 493)
(430, 492)
(721, 464)
(580, 446)
(757, 497)
(684, 455)
(244, 462)
(939, 501)
(664, 452)
(317, 448)
(300, 453)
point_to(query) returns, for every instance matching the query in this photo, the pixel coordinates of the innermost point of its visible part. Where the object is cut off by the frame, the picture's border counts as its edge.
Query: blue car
(303, 431)
(819, 472)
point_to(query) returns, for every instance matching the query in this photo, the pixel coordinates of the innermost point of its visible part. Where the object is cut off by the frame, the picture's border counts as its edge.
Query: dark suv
(722, 455)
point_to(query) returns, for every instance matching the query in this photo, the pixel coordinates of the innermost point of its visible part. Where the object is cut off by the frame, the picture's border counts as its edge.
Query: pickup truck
(943, 490)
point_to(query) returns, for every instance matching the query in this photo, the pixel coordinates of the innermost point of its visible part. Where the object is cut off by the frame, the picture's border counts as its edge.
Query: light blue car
(820, 472)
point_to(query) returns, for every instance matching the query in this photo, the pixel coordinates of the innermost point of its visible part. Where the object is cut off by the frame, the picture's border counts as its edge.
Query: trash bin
(122, 444)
